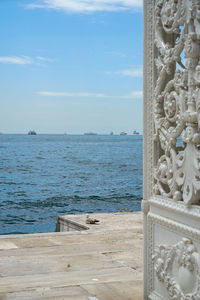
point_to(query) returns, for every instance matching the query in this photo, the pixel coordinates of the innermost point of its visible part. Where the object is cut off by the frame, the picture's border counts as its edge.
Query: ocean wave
(46, 176)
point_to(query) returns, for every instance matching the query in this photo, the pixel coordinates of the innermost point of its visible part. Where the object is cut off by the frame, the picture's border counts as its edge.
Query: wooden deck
(101, 263)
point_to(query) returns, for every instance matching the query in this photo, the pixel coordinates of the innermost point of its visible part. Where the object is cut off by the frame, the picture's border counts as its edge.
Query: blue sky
(71, 66)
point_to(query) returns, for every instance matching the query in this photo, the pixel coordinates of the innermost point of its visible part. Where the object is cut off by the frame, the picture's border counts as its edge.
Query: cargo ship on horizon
(135, 132)
(90, 133)
(32, 132)
(123, 133)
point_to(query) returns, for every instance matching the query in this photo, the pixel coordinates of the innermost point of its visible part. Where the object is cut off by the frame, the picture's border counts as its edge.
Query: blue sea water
(44, 176)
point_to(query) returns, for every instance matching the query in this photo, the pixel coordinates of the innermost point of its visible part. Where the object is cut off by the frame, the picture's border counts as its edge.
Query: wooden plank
(27, 265)
(132, 259)
(69, 293)
(88, 246)
(130, 290)
(64, 239)
(63, 279)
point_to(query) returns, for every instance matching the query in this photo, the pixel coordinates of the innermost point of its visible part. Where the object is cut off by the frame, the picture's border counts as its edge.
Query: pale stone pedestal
(173, 250)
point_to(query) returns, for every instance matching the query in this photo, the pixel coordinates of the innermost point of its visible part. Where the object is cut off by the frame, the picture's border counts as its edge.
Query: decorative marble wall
(171, 202)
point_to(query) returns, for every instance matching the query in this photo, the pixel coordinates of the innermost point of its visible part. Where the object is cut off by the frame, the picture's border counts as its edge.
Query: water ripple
(48, 175)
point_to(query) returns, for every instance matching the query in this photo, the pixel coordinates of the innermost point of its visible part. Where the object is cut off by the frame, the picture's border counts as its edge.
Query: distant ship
(90, 133)
(111, 133)
(123, 133)
(32, 132)
(135, 132)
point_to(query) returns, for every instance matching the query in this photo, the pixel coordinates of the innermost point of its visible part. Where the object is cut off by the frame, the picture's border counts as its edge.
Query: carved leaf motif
(177, 100)
(182, 281)
(188, 175)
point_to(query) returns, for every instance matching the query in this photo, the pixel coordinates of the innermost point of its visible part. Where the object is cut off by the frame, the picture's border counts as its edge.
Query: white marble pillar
(171, 202)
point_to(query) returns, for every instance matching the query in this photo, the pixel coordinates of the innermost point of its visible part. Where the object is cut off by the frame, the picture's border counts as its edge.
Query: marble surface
(101, 263)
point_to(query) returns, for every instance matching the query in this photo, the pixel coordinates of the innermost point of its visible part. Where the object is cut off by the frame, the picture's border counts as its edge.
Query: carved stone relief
(178, 268)
(177, 100)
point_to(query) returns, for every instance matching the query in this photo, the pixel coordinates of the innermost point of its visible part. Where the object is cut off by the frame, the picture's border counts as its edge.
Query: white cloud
(128, 72)
(23, 60)
(135, 94)
(116, 53)
(132, 95)
(87, 6)
(41, 58)
(67, 94)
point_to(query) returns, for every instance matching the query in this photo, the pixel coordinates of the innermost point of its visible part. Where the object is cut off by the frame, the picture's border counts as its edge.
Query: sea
(43, 176)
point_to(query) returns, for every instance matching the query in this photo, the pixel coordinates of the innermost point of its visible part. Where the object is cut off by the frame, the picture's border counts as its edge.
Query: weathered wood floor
(102, 263)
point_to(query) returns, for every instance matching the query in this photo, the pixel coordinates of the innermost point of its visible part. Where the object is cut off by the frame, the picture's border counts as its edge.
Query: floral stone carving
(178, 268)
(177, 100)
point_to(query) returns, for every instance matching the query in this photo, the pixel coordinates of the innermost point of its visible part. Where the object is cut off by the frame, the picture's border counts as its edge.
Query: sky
(71, 66)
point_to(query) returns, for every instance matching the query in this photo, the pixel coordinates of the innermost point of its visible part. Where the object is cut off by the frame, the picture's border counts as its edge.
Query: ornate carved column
(171, 202)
